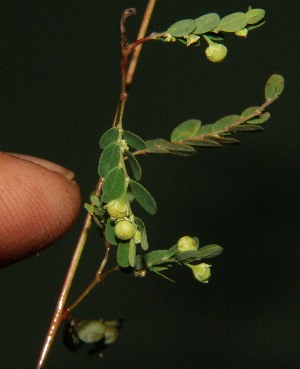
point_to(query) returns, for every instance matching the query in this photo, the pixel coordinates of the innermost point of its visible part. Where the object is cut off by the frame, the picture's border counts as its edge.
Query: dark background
(59, 80)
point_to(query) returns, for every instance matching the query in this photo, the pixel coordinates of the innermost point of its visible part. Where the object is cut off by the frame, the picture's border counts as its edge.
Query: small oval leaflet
(143, 197)
(110, 234)
(135, 166)
(114, 185)
(255, 15)
(108, 137)
(109, 159)
(142, 229)
(206, 23)
(274, 87)
(182, 28)
(249, 111)
(133, 140)
(262, 118)
(233, 22)
(132, 253)
(185, 130)
(224, 122)
(122, 254)
(210, 251)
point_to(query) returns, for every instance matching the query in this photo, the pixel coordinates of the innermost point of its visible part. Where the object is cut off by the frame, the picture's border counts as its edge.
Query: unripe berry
(125, 230)
(201, 272)
(187, 243)
(117, 208)
(216, 52)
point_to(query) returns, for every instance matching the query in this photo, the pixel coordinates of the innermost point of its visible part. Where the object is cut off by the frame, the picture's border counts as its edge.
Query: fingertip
(38, 206)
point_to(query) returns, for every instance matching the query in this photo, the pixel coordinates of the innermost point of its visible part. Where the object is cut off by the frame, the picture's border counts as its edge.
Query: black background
(59, 79)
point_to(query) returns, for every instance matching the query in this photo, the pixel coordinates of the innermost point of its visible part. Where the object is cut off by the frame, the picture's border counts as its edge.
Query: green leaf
(226, 140)
(205, 143)
(110, 234)
(233, 22)
(206, 23)
(249, 111)
(182, 28)
(188, 256)
(255, 15)
(274, 87)
(260, 119)
(114, 185)
(123, 254)
(152, 147)
(204, 130)
(133, 140)
(108, 137)
(109, 159)
(142, 229)
(162, 146)
(185, 130)
(135, 166)
(143, 197)
(210, 251)
(90, 208)
(158, 257)
(224, 122)
(132, 253)
(246, 128)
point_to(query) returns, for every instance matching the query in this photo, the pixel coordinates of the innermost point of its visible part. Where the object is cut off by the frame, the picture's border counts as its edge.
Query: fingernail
(46, 164)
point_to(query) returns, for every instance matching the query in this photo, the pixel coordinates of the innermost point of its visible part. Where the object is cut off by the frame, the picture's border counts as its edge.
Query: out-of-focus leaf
(185, 130)
(274, 87)
(224, 122)
(255, 15)
(162, 146)
(210, 251)
(204, 142)
(246, 128)
(249, 111)
(260, 119)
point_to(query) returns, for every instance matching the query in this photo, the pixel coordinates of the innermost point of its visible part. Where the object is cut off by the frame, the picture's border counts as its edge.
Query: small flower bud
(117, 208)
(216, 52)
(201, 272)
(242, 32)
(186, 243)
(125, 230)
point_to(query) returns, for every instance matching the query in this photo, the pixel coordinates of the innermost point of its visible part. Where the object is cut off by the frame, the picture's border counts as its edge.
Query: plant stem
(136, 53)
(60, 310)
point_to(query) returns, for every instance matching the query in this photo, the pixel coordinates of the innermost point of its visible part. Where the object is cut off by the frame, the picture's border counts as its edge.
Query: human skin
(39, 202)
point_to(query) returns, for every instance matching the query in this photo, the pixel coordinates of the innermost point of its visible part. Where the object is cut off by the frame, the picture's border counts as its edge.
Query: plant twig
(141, 34)
(59, 313)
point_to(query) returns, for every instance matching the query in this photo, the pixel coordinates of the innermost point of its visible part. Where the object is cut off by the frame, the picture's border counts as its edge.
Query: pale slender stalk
(60, 309)
(141, 34)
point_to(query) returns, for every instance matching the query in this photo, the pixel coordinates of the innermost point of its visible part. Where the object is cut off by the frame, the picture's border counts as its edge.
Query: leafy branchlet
(120, 174)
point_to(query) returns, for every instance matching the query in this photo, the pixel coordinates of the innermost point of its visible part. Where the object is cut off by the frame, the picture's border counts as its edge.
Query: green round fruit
(117, 208)
(216, 52)
(187, 243)
(125, 230)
